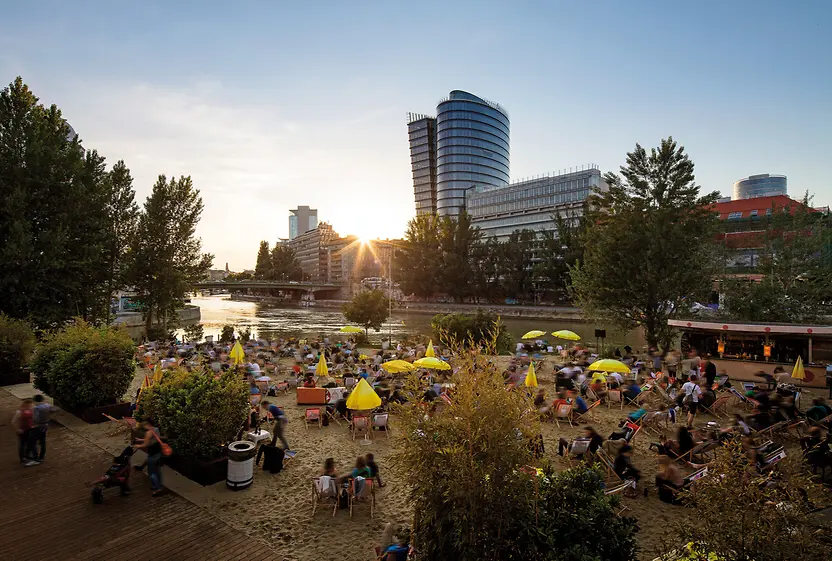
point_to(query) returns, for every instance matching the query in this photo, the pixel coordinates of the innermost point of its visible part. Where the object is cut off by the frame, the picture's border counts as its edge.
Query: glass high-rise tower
(471, 150)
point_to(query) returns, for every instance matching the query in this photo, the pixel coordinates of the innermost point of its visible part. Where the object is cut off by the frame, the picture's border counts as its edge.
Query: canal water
(271, 322)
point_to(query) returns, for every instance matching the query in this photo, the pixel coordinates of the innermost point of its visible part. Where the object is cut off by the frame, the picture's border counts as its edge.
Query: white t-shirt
(693, 389)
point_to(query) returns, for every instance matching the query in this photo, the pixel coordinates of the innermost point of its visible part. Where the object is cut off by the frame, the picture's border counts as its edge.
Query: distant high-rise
(421, 130)
(470, 150)
(762, 185)
(302, 220)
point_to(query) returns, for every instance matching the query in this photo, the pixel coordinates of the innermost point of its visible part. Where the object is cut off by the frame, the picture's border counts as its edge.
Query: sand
(277, 508)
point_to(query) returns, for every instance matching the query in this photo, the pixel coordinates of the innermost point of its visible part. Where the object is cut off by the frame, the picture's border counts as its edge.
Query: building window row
(473, 116)
(468, 106)
(451, 137)
(461, 124)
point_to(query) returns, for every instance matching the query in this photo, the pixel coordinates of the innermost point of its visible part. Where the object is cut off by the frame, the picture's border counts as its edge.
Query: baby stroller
(118, 475)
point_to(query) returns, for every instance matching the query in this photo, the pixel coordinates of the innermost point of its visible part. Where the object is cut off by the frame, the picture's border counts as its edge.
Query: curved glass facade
(472, 141)
(763, 185)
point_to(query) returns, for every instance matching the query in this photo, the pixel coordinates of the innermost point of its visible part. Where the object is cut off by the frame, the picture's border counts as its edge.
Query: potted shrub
(17, 341)
(199, 413)
(87, 370)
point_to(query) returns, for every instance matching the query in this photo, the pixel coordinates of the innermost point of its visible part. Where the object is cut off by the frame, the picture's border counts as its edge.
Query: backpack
(41, 414)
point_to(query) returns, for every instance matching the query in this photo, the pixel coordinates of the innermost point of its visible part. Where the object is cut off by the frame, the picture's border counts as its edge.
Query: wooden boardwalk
(47, 512)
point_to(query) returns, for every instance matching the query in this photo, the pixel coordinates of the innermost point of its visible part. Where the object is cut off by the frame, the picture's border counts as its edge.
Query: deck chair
(380, 423)
(349, 381)
(651, 421)
(635, 401)
(332, 415)
(606, 461)
(704, 450)
(125, 424)
(591, 395)
(718, 406)
(292, 381)
(324, 490)
(661, 391)
(626, 488)
(312, 416)
(563, 412)
(282, 387)
(771, 459)
(360, 423)
(362, 491)
(288, 456)
(578, 447)
(633, 430)
(615, 396)
(587, 415)
(770, 430)
(822, 423)
(695, 476)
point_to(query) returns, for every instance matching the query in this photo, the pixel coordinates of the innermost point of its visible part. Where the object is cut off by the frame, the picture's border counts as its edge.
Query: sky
(268, 105)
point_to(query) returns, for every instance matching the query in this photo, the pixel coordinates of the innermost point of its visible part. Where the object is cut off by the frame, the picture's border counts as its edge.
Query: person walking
(690, 398)
(40, 416)
(152, 445)
(23, 422)
(279, 423)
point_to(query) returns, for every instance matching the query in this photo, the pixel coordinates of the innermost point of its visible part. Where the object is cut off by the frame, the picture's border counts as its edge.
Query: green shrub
(227, 334)
(159, 333)
(83, 366)
(484, 328)
(17, 341)
(471, 495)
(196, 411)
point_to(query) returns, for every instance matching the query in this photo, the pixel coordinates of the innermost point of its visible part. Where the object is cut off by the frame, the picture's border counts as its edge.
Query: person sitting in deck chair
(595, 441)
(668, 481)
(623, 465)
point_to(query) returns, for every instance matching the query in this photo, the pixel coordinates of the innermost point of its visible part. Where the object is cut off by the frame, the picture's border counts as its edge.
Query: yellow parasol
(363, 357)
(531, 378)
(799, 373)
(396, 366)
(351, 329)
(237, 354)
(363, 397)
(321, 369)
(432, 362)
(609, 365)
(568, 335)
(534, 334)
(429, 351)
(146, 383)
(157, 374)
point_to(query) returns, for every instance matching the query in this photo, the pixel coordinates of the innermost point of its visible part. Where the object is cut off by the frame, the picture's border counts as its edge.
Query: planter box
(95, 415)
(204, 473)
(11, 378)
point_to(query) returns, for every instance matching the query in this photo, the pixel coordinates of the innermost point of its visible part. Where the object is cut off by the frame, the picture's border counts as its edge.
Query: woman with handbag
(154, 447)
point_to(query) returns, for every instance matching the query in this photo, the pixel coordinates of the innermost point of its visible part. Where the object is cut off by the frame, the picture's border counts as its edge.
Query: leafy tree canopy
(369, 308)
(649, 248)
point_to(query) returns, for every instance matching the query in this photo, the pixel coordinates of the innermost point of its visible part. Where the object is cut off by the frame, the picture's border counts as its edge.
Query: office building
(470, 151)
(421, 131)
(311, 251)
(531, 204)
(763, 185)
(301, 220)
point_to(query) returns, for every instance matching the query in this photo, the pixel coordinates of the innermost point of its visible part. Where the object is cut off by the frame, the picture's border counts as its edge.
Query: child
(374, 472)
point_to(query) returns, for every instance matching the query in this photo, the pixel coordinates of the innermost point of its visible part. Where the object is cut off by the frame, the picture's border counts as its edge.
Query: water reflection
(271, 322)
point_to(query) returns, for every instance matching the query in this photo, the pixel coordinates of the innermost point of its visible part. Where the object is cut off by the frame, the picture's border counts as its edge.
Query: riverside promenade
(47, 512)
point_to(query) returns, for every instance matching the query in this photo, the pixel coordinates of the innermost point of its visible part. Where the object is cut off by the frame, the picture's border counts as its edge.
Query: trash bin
(240, 464)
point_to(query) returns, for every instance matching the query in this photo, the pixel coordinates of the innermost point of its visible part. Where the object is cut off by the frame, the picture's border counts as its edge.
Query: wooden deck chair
(578, 447)
(282, 387)
(695, 476)
(293, 382)
(703, 451)
(822, 423)
(627, 400)
(288, 456)
(349, 381)
(651, 421)
(626, 488)
(125, 424)
(313, 416)
(606, 461)
(360, 423)
(591, 395)
(664, 395)
(771, 459)
(563, 412)
(588, 415)
(324, 490)
(633, 430)
(718, 406)
(366, 493)
(380, 422)
(615, 396)
(770, 430)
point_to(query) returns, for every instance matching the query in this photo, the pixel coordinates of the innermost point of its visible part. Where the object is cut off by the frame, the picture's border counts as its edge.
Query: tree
(263, 268)
(472, 495)
(53, 215)
(462, 330)
(651, 248)
(418, 261)
(17, 341)
(369, 308)
(796, 282)
(123, 215)
(486, 257)
(558, 250)
(457, 239)
(166, 255)
(284, 264)
(740, 515)
(516, 264)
